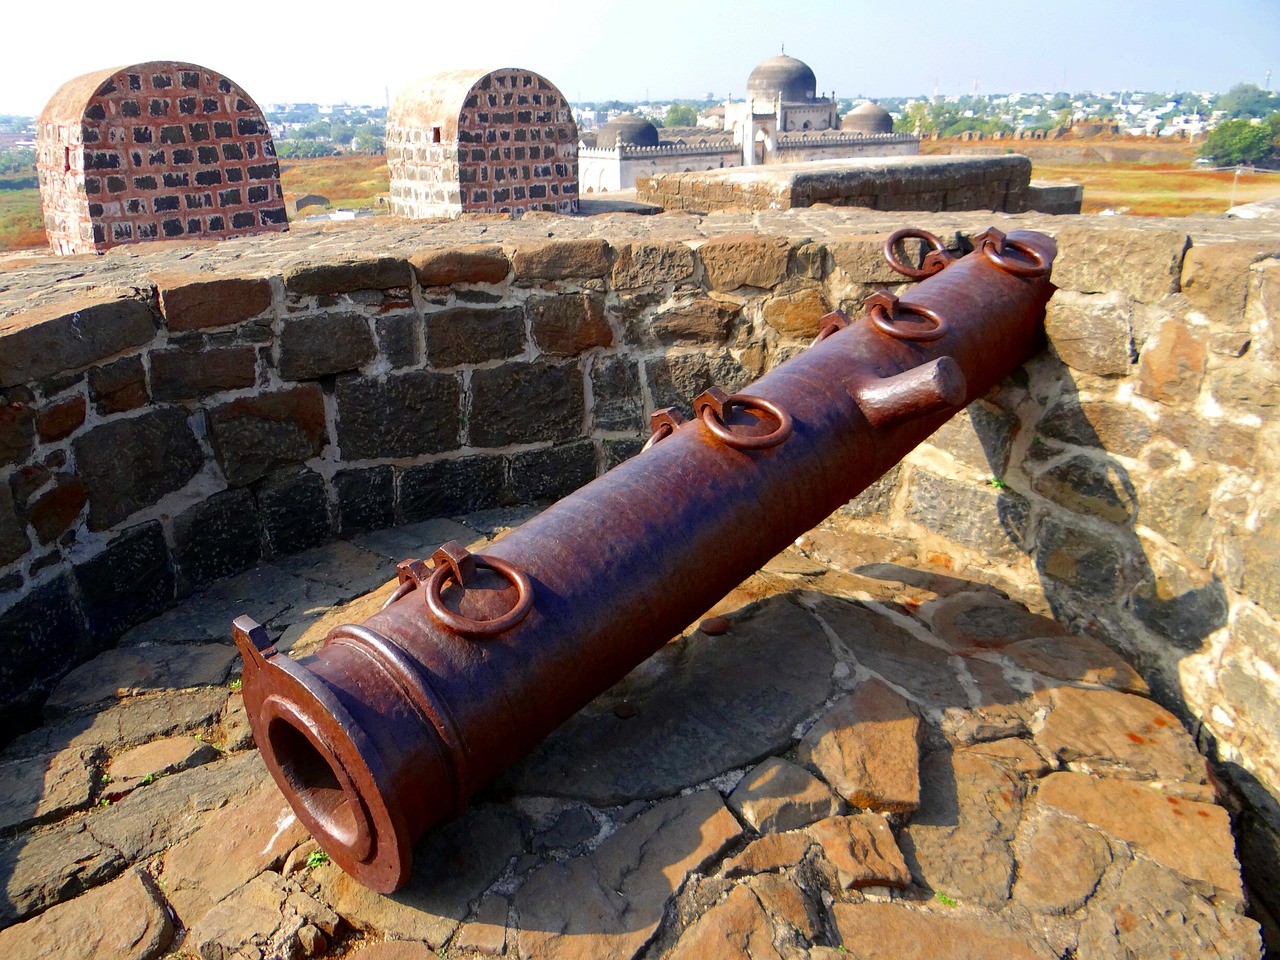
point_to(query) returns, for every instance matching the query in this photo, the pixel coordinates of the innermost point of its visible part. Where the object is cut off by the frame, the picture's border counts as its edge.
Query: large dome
(628, 129)
(868, 118)
(783, 76)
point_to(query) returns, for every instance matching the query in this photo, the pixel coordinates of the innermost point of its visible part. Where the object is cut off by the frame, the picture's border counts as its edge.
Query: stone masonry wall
(152, 443)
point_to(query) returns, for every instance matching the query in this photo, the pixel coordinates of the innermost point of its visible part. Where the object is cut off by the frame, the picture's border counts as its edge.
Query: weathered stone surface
(606, 905)
(701, 321)
(957, 843)
(501, 398)
(191, 301)
(255, 435)
(1014, 754)
(796, 312)
(43, 869)
(127, 582)
(295, 511)
(395, 950)
(704, 705)
(124, 920)
(744, 260)
(1154, 914)
(561, 260)
(1260, 562)
(217, 537)
(569, 324)
(862, 851)
(979, 435)
(1117, 734)
(155, 759)
(1059, 865)
(1079, 558)
(985, 723)
(45, 787)
(552, 473)
(58, 421)
(1176, 600)
(886, 931)
(184, 374)
(1172, 364)
(398, 339)
(736, 927)
(338, 276)
(866, 747)
(268, 916)
(1085, 485)
(453, 864)
(1091, 332)
(1216, 278)
(17, 425)
(14, 541)
(980, 620)
(474, 335)
(1251, 384)
(366, 498)
(129, 464)
(467, 263)
(451, 487)
(676, 379)
(990, 520)
(773, 851)
(647, 263)
(54, 512)
(60, 337)
(876, 499)
(140, 670)
(615, 387)
(232, 847)
(48, 634)
(313, 346)
(1077, 658)
(487, 933)
(1216, 440)
(861, 258)
(1145, 264)
(118, 386)
(404, 415)
(1102, 426)
(778, 796)
(1191, 838)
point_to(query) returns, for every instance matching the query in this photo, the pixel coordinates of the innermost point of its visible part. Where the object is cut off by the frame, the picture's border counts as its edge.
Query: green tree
(1248, 100)
(1237, 141)
(303, 149)
(680, 116)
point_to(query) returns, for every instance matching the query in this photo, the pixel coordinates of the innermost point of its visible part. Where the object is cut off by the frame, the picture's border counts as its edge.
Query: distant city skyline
(661, 50)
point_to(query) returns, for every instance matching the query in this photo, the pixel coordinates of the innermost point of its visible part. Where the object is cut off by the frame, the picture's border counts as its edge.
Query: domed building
(868, 119)
(627, 130)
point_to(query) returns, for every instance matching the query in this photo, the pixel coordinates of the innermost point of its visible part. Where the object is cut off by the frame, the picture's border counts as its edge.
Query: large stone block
(980, 435)
(987, 519)
(451, 487)
(66, 336)
(649, 263)
(618, 401)
(569, 324)
(1172, 365)
(1260, 559)
(701, 321)
(471, 335)
(126, 583)
(1143, 264)
(1092, 487)
(45, 637)
(17, 425)
(217, 537)
(371, 273)
(404, 415)
(861, 258)
(128, 465)
(366, 498)
(562, 260)
(327, 343)
(295, 511)
(118, 386)
(552, 473)
(526, 403)
(187, 374)
(191, 301)
(1091, 332)
(1112, 427)
(254, 435)
(1081, 559)
(796, 310)
(398, 339)
(1216, 278)
(1177, 601)
(744, 260)
(14, 541)
(469, 263)
(676, 379)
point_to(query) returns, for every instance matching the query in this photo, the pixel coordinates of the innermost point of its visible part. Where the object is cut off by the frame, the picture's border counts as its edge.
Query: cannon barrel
(393, 724)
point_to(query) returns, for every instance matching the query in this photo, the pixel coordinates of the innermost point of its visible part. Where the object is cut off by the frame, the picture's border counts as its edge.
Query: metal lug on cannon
(251, 637)
(930, 388)
(833, 322)
(457, 558)
(663, 424)
(412, 571)
(716, 399)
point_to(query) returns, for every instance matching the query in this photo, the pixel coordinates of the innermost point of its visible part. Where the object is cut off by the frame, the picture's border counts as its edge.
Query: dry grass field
(1161, 189)
(351, 181)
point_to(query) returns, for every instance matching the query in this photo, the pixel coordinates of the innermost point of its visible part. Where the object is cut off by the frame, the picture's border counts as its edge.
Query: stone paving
(869, 756)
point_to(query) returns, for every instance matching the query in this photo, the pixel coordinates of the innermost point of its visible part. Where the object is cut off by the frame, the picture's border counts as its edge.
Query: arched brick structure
(500, 141)
(154, 151)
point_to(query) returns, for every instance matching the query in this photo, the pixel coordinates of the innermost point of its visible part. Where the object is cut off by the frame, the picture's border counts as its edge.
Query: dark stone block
(328, 343)
(615, 385)
(398, 339)
(375, 273)
(525, 403)
(187, 374)
(57, 509)
(567, 325)
(618, 451)
(676, 379)
(45, 638)
(552, 473)
(1084, 485)
(876, 499)
(980, 436)
(295, 512)
(254, 435)
(405, 415)
(1079, 558)
(14, 541)
(126, 583)
(366, 498)
(450, 487)
(17, 425)
(987, 519)
(470, 335)
(70, 336)
(217, 538)
(128, 465)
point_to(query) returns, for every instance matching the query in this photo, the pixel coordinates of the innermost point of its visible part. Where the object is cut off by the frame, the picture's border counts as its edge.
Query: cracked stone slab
(985, 621)
(703, 705)
(122, 920)
(778, 796)
(487, 933)
(884, 931)
(1059, 864)
(46, 867)
(862, 850)
(46, 786)
(1077, 658)
(341, 564)
(417, 541)
(268, 916)
(133, 672)
(738, 926)
(306, 635)
(607, 904)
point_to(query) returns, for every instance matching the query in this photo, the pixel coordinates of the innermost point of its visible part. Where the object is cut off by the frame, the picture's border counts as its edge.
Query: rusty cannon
(394, 723)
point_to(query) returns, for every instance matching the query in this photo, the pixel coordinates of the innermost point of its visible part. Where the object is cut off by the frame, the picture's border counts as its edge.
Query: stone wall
(153, 442)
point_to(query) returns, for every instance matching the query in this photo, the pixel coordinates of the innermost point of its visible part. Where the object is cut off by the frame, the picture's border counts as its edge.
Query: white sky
(323, 51)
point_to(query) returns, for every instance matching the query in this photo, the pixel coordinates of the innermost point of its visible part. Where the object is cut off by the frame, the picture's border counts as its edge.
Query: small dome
(867, 118)
(782, 76)
(628, 129)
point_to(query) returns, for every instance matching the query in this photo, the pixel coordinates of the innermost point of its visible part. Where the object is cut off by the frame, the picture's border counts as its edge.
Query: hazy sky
(607, 49)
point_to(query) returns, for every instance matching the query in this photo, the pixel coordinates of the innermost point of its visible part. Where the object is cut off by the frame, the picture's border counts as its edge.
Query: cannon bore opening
(318, 786)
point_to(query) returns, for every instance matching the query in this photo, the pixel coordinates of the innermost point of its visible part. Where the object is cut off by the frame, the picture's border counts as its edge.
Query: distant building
(782, 120)
(154, 151)
(499, 141)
